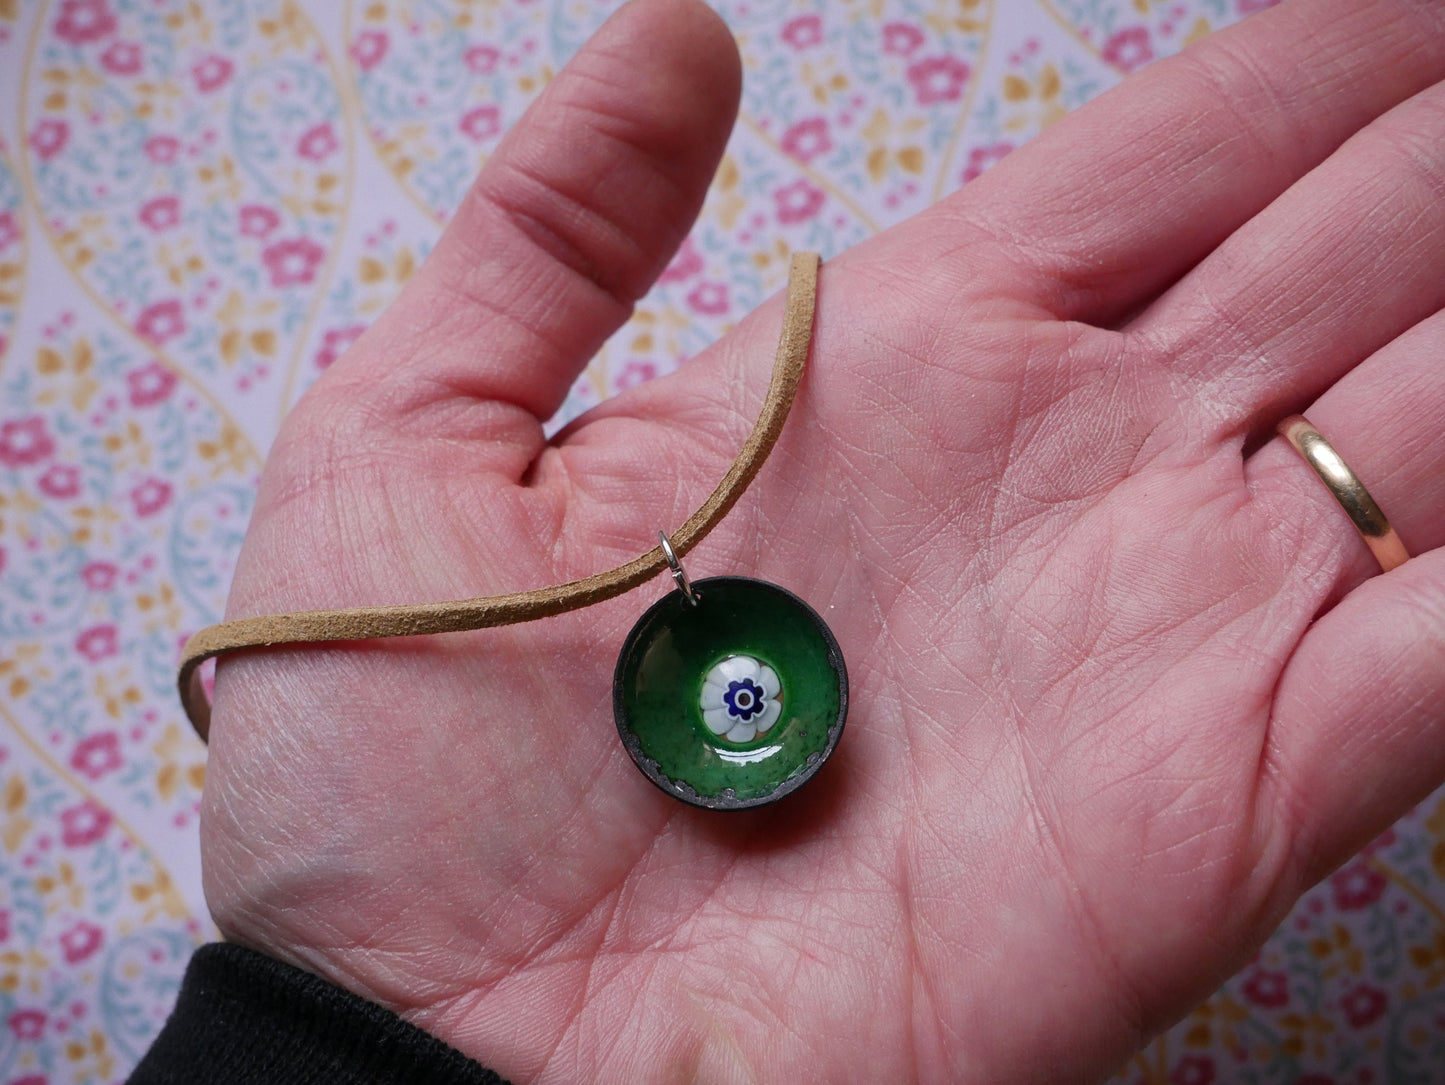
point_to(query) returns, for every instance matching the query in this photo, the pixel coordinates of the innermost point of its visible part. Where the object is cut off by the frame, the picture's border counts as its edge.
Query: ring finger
(1384, 418)
(1361, 697)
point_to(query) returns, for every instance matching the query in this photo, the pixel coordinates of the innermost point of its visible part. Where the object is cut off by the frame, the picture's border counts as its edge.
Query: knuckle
(1410, 140)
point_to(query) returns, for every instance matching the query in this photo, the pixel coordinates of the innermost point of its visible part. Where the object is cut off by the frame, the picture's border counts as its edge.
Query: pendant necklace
(729, 693)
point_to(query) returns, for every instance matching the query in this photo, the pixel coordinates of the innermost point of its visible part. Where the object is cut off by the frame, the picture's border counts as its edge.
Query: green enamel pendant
(730, 693)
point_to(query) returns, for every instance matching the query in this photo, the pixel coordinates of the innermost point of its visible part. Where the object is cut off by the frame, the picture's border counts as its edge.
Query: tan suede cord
(362, 623)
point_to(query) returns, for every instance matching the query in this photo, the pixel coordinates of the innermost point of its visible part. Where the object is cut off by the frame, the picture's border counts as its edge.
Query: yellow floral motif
(882, 135)
(1305, 1034)
(963, 24)
(16, 825)
(9, 283)
(94, 1048)
(78, 365)
(1429, 958)
(290, 28)
(70, 892)
(386, 275)
(1435, 826)
(159, 897)
(1221, 1014)
(1200, 30)
(1036, 98)
(161, 608)
(230, 452)
(32, 963)
(1338, 952)
(115, 700)
(182, 763)
(26, 653)
(725, 201)
(246, 325)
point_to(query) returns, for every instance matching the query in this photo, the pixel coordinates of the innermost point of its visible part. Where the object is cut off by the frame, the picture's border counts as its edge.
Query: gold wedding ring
(1349, 491)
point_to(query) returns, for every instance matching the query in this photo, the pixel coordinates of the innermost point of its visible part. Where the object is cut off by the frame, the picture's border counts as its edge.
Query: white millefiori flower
(741, 698)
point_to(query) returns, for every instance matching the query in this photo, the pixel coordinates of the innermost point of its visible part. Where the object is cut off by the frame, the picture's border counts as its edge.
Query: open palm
(1123, 683)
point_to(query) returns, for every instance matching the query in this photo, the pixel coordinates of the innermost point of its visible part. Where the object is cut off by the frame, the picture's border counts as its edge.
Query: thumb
(569, 223)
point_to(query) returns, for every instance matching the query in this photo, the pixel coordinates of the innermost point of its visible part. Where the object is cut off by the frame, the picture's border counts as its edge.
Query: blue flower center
(744, 699)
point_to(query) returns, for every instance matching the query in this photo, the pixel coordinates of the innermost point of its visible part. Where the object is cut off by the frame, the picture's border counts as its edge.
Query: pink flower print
(80, 941)
(1357, 886)
(807, 139)
(99, 575)
(48, 138)
(1364, 1005)
(1193, 1070)
(709, 298)
(900, 39)
(798, 201)
(804, 31)
(335, 342)
(152, 383)
(61, 481)
(1267, 988)
(122, 58)
(9, 230)
(162, 150)
(28, 1024)
(484, 122)
(1129, 50)
(482, 59)
(686, 264)
(369, 49)
(634, 373)
(160, 322)
(294, 262)
(25, 442)
(150, 496)
(211, 73)
(318, 143)
(258, 221)
(981, 158)
(4, 924)
(938, 79)
(161, 213)
(96, 755)
(98, 642)
(83, 21)
(83, 824)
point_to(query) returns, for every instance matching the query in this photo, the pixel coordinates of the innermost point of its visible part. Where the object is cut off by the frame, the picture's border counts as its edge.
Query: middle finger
(1340, 264)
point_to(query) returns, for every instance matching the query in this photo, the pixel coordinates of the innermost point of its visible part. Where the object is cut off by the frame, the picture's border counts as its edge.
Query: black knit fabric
(245, 1019)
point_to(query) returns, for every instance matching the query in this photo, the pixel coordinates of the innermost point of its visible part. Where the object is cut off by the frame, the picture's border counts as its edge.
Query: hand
(1124, 680)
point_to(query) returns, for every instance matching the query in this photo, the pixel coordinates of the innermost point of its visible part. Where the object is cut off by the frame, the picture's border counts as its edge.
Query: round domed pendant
(730, 693)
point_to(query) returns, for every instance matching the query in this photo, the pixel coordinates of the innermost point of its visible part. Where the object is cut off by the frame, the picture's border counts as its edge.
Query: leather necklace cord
(364, 623)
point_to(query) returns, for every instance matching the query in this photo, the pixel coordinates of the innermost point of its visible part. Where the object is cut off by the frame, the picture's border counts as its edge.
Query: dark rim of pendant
(726, 800)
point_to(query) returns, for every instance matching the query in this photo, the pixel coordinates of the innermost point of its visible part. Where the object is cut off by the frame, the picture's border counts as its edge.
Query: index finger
(1111, 205)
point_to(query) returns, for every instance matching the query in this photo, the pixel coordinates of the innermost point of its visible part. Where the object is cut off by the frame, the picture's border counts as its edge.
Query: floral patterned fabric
(202, 204)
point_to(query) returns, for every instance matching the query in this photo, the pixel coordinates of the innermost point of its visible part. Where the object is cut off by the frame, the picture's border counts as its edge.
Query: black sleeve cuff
(245, 1019)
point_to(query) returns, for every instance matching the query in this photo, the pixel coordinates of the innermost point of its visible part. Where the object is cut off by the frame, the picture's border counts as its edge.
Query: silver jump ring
(678, 576)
